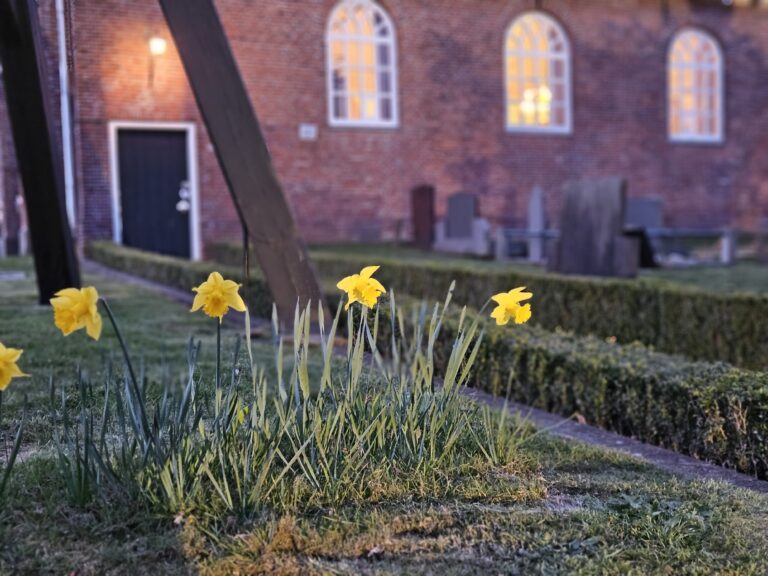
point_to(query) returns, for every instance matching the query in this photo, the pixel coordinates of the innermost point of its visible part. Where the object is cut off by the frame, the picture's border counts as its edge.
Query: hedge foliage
(177, 273)
(712, 411)
(678, 320)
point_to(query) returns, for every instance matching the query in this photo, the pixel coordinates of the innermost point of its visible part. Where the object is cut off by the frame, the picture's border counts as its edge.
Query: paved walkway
(662, 458)
(667, 460)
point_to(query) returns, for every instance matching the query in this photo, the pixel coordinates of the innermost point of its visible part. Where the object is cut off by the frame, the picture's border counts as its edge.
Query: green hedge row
(712, 411)
(177, 273)
(678, 320)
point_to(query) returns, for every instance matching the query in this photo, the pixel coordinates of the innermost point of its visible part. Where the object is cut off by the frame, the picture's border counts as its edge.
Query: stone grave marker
(536, 225)
(592, 240)
(423, 216)
(462, 209)
(641, 215)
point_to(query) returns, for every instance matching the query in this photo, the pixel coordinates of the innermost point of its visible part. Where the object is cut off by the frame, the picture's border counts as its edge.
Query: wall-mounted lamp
(157, 46)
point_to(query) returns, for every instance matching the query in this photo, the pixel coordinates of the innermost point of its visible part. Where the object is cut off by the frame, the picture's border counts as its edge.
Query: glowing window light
(537, 74)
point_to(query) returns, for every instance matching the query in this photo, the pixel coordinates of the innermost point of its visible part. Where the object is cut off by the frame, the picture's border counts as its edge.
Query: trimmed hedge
(177, 273)
(712, 411)
(679, 320)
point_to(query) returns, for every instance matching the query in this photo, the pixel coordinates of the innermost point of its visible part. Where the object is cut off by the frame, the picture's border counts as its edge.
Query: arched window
(537, 62)
(362, 65)
(695, 88)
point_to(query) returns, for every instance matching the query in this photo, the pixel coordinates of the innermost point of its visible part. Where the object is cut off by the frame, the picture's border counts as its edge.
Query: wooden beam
(234, 130)
(38, 152)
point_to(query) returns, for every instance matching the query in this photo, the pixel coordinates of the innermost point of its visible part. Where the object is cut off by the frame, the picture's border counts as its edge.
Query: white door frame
(114, 164)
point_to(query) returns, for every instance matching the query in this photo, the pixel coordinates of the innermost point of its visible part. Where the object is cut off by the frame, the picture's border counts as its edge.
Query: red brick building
(363, 101)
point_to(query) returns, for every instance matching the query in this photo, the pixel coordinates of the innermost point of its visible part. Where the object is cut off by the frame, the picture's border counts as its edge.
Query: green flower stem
(5, 443)
(11, 460)
(131, 371)
(218, 354)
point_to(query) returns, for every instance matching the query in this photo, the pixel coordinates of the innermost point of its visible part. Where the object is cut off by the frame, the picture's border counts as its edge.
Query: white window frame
(567, 59)
(394, 121)
(719, 137)
(190, 129)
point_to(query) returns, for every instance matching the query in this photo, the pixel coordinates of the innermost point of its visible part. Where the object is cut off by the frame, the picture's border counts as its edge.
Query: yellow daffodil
(76, 308)
(362, 287)
(216, 296)
(8, 367)
(508, 307)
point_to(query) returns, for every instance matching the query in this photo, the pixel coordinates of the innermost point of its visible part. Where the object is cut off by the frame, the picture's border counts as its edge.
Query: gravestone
(423, 216)
(643, 214)
(462, 209)
(762, 240)
(462, 231)
(592, 240)
(536, 225)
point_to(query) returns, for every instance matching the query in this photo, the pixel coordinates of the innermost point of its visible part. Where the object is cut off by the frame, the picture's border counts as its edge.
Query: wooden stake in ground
(234, 130)
(25, 75)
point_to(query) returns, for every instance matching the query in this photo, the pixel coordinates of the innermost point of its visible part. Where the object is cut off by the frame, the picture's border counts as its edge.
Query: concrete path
(667, 460)
(662, 458)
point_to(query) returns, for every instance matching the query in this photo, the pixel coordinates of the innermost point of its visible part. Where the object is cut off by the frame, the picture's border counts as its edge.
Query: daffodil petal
(519, 294)
(348, 283)
(377, 285)
(500, 298)
(368, 271)
(68, 293)
(93, 326)
(198, 302)
(236, 302)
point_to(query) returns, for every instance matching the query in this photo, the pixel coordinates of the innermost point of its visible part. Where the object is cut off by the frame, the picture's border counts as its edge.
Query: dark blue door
(154, 190)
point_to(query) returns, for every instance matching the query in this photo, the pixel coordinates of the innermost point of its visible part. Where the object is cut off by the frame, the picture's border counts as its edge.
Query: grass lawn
(556, 507)
(157, 332)
(745, 276)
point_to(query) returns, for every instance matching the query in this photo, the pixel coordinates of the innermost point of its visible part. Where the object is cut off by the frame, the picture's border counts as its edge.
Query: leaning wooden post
(234, 130)
(29, 99)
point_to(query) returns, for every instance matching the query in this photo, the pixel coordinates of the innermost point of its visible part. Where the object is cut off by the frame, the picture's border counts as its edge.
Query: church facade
(362, 101)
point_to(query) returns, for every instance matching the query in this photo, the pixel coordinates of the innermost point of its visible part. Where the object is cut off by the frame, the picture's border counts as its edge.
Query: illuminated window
(362, 66)
(537, 75)
(695, 88)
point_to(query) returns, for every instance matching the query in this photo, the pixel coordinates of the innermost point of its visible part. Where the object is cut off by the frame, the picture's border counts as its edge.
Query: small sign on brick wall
(308, 132)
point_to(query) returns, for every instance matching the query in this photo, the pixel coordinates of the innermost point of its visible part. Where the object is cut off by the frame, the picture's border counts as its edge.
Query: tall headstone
(423, 216)
(643, 213)
(591, 230)
(536, 225)
(462, 208)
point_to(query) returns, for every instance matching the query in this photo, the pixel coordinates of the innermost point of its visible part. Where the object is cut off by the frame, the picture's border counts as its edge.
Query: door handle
(183, 205)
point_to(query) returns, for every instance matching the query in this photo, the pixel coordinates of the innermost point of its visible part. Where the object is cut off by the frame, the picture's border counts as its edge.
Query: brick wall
(354, 183)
